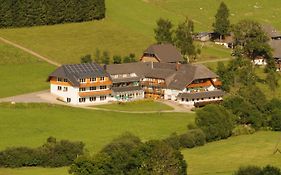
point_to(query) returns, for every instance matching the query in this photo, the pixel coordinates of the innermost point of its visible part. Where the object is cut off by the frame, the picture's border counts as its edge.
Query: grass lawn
(95, 128)
(34, 171)
(144, 105)
(128, 28)
(21, 72)
(226, 156)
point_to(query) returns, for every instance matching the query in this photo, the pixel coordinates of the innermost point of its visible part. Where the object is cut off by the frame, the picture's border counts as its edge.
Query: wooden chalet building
(81, 84)
(162, 53)
(158, 76)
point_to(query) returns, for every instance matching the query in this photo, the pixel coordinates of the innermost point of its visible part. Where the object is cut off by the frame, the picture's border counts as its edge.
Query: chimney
(105, 67)
(178, 65)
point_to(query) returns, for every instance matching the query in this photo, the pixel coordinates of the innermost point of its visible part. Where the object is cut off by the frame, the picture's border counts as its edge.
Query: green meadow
(226, 156)
(20, 72)
(143, 105)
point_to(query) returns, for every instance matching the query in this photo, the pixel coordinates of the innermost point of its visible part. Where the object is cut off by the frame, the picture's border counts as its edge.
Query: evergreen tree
(105, 58)
(184, 40)
(222, 23)
(117, 59)
(86, 59)
(163, 31)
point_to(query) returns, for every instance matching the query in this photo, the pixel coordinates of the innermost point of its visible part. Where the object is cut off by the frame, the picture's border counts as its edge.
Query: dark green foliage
(272, 80)
(239, 72)
(163, 32)
(222, 23)
(117, 59)
(270, 170)
(127, 155)
(51, 154)
(86, 59)
(275, 122)
(105, 59)
(192, 138)
(173, 140)
(130, 59)
(250, 170)
(254, 170)
(20, 13)
(253, 41)
(184, 40)
(215, 121)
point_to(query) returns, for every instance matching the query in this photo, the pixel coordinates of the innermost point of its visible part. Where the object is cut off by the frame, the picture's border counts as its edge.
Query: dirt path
(29, 51)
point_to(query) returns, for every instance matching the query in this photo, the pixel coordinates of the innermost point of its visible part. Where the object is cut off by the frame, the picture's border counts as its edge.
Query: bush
(243, 130)
(192, 138)
(51, 154)
(275, 122)
(215, 121)
(173, 140)
(127, 155)
(254, 170)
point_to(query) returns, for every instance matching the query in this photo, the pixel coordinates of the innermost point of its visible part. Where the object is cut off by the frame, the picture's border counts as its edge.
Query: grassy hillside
(20, 72)
(226, 156)
(95, 128)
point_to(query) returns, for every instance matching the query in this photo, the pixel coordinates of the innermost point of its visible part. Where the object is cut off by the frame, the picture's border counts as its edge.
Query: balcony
(153, 83)
(154, 91)
(98, 83)
(204, 84)
(95, 93)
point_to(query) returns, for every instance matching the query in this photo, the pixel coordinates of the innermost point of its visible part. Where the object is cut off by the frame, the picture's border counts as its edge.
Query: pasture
(143, 105)
(21, 72)
(226, 156)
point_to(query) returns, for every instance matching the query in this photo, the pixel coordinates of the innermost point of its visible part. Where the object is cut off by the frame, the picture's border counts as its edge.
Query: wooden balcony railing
(99, 83)
(95, 93)
(151, 91)
(152, 83)
(204, 84)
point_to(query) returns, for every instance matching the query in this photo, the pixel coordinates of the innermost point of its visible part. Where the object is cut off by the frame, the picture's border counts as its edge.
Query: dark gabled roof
(126, 89)
(138, 67)
(175, 78)
(188, 73)
(270, 31)
(276, 46)
(200, 95)
(74, 72)
(166, 53)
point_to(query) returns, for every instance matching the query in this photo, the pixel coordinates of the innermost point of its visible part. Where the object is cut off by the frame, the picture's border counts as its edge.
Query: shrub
(215, 121)
(249, 170)
(270, 170)
(192, 138)
(173, 140)
(51, 154)
(276, 120)
(243, 130)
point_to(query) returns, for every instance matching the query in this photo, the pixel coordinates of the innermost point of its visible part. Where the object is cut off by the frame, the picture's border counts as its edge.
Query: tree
(271, 170)
(272, 80)
(276, 120)
(163, 31)
(86, 59)
(130, 59)
(222, 23)
(252, 40)
(184, 40)
(215, 121)
(105, 57)
(249, 170)
(157, 157)
(117, 59)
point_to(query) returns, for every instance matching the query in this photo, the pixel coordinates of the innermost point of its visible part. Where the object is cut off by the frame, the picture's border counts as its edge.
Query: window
(102, 98)
(68, 100)
(82, 80)
(93, 79)
(65, 80)
(59, 80)
(101, 78)
(59, 88)
(93, 88)
(82, 89)
(93, 99)
(82, 100)
(65, 89)
(103, 87)
(182, 99)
